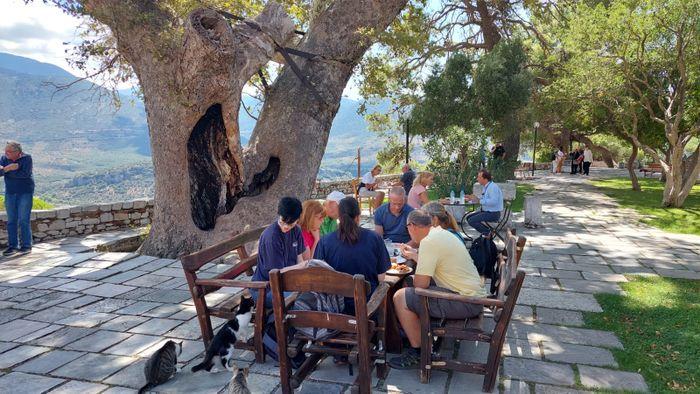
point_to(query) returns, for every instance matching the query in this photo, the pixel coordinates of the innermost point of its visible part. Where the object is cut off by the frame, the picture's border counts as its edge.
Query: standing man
(443, 265)
(407, 178)
(587, 160)
(491, 201)
(16, 167)
(330, 207)
(390, 218)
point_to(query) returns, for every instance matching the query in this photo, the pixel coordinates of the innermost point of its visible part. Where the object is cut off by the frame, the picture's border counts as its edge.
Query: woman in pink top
(312, 215)
(419, 194)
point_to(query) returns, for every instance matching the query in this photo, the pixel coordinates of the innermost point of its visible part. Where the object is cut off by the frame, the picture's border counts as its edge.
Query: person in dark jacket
(16, 167)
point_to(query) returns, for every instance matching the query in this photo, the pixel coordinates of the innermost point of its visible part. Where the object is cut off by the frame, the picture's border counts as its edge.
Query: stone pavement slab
(156, 326)
(577, 354)
(17, 328)
(538, 371)
(64, 336)
(559, 300)
(559, 317)
(98, 341)
(610, 379)
(75, 386)
(20, 354)
(93, 367)
(546, 389)
(49, 361)
(19, 382)
(108, 290)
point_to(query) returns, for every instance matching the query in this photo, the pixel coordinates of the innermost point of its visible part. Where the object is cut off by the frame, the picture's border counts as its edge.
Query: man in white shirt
(491, 202)
(368, 185)
(587, 160)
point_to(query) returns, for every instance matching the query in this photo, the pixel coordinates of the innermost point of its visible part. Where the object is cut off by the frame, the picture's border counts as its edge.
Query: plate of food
(399, 269)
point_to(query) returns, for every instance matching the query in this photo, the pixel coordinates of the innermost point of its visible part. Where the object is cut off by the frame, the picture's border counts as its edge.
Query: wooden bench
(651, 169)
(499, 309)
(200, 287)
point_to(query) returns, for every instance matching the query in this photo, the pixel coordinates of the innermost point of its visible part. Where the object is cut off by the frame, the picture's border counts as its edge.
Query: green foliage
(656, 320)
(393, 155)
(37, 203)
(521, 190)
(647, 202)
(502, 84)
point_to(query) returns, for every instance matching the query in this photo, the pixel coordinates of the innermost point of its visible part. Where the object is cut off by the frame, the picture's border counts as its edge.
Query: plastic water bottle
(452, 196)
(461, 196)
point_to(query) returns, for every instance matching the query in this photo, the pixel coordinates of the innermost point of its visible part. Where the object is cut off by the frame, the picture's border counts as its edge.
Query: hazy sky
(38, 31)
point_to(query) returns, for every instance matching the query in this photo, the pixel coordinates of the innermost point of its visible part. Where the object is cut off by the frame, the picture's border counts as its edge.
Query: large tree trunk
(208, 187)
(632, 171)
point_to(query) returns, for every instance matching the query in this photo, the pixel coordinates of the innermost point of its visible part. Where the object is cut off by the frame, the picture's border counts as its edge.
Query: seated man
(330, 206)
(390, 218)
(491, 203)
(368, 186)
(281, 245)
(443, 265)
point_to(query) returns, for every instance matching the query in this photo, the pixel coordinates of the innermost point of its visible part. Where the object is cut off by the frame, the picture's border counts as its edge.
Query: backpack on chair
(485, 256)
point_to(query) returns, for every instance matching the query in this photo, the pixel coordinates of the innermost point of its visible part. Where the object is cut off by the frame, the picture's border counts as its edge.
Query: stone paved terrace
(73, 320)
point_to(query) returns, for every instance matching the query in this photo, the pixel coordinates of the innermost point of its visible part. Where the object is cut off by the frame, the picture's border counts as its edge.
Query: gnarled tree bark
(207, 186)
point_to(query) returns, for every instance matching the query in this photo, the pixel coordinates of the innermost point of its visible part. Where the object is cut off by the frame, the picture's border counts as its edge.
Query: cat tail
(145, 388)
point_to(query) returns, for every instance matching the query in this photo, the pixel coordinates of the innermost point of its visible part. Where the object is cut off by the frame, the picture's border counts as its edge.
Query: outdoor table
(392, 333)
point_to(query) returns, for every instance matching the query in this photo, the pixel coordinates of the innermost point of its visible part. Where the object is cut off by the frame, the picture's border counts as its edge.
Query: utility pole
(534, 148)
(407, 126)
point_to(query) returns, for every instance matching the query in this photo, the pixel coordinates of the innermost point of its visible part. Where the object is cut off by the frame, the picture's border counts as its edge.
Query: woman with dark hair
(353, 249)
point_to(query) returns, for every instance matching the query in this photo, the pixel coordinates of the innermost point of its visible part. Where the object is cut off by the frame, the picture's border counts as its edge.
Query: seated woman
(281, 245)
(418, 196)
(312, 215)
(368, 185)
(440, 217)
(353, 249)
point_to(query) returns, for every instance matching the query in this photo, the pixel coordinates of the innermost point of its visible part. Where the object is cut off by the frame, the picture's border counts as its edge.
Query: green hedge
(38, 203)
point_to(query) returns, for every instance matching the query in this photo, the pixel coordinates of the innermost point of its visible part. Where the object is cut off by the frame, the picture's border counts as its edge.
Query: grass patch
(37, 204)
(657, 322)
(648, 202)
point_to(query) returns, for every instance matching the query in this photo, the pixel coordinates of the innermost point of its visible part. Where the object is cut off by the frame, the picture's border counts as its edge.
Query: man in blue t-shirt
(390, 218)
(281, 244)
(16, 167)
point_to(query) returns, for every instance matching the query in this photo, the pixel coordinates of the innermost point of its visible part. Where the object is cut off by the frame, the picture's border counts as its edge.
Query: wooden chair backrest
(194, 261)
(507, 266)
(321, 280)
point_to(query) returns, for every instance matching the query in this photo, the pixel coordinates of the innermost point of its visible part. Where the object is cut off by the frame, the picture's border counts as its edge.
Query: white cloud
(37, 30)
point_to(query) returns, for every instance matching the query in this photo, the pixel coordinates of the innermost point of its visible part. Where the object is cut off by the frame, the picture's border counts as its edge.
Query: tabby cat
(238, 383)
(162, 365)
(222, 346)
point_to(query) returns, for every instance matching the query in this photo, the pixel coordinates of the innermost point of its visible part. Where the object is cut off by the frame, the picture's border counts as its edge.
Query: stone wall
(321, 189)
(82, 220)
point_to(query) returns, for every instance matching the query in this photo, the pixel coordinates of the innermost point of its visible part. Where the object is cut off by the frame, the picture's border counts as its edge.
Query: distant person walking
(587, 160)
(560, 159)
(407, 178)
(16, 167)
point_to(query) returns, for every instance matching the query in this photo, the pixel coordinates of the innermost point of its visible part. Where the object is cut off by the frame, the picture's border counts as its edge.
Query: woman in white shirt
(368, 184)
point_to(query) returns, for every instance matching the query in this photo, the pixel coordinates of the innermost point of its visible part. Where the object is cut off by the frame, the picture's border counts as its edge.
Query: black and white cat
(222, 346)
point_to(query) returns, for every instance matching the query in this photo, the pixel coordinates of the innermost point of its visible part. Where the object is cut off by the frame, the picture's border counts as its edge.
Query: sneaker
(23, 251)
(410, 359)
(9, 251)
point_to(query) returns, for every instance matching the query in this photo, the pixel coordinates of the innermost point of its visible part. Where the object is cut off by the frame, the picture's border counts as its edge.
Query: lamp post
(534, 148)
(407, 125)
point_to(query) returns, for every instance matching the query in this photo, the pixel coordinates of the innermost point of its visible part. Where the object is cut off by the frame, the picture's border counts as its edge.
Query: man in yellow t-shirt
(443, 265)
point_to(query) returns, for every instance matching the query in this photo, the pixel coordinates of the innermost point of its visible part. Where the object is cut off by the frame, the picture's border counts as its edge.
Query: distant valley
(86, 151)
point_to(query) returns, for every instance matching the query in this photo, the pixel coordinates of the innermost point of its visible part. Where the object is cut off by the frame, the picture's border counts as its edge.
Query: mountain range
(87, 151)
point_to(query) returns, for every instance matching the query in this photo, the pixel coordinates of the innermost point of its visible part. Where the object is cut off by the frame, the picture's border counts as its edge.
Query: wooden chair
(369, 200)
(199, 288)
(500, 309)
(356, 332)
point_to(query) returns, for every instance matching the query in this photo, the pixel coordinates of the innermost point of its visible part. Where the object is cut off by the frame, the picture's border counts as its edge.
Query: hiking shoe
(23, 251)
(9, 252)
(410, 359)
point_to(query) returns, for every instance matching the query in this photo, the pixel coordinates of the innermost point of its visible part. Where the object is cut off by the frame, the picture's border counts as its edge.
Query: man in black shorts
(443, 265)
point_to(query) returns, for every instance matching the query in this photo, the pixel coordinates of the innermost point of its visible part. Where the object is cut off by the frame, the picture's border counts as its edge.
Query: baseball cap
(335, 196)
